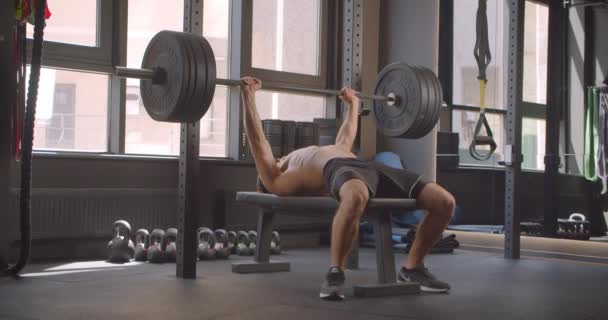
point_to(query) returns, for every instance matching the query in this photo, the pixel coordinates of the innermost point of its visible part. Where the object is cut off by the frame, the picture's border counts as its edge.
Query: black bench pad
(319, 203)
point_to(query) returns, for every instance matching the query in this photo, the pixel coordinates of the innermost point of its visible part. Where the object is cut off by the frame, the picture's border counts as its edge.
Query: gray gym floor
(485, 286)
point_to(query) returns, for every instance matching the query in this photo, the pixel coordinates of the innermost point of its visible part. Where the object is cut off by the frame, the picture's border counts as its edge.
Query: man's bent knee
(437, 200)
(354, 195)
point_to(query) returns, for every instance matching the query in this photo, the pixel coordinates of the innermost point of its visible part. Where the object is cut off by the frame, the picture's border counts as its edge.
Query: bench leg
(261, 260)
(385, 263)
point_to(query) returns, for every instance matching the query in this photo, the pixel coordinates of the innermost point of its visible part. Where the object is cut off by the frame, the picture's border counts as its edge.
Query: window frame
(241, 64)
(111, 51)
(303, 80)
(529, 110)
(62, 55)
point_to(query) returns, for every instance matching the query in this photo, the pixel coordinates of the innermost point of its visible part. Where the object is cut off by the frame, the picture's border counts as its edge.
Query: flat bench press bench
(378, 213)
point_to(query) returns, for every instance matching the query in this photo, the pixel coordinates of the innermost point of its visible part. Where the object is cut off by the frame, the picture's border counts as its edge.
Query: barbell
(178, 80)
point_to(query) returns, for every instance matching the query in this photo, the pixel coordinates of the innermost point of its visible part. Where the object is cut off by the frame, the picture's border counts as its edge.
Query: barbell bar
(178, 80)
(156, 77)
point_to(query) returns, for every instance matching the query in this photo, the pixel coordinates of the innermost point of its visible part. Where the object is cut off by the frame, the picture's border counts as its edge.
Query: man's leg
(353, 200)
(439, 206)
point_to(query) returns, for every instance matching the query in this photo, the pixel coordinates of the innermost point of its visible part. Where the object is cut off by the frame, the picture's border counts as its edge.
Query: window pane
(533, 143)
(535, 53)
(285, 35)
(285, 106)
(214, 126)
(146, 18)
(465, 83)
(71, 111)
(71, 21)
(464, 122)
(216, 29)
(146, 136)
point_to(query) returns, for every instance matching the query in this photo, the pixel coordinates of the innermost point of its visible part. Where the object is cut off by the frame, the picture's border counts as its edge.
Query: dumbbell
(232, 241)
(121, 249)
(206, 244)
(275, 243)
(170, 248)
(156, 249)
(142, 241)
(222, 249)
(242, 247)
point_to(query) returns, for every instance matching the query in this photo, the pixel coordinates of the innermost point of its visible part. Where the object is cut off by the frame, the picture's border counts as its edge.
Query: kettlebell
(206, 244)
(222, 250)
(232, 241)
(142, 241)
(156, 249)
(253, 241)
(121, 249)
(275, 243)
(242, 246)
(170, 248)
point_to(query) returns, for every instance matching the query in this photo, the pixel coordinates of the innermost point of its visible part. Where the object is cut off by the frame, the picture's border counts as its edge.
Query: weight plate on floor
(396, 119)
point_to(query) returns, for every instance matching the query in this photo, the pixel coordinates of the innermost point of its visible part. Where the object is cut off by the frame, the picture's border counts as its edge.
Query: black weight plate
(211, 73)
(193, 107)
(162, 101)
(436, 102)
(188, 76)
(400, 79)
(431, 111)
(429, 86)
(423, 116)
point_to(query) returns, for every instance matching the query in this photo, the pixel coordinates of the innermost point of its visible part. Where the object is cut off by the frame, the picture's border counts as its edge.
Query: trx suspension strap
(483, 57)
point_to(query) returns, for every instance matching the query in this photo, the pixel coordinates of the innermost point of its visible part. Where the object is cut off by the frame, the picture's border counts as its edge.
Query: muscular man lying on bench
(335, 170)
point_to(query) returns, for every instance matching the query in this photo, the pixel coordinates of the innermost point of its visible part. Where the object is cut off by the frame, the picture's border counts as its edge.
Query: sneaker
(333, 286)
(427, 281)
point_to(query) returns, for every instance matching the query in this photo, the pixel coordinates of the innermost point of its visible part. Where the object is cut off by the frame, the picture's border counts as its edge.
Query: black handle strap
(482, 53)
(478, 140)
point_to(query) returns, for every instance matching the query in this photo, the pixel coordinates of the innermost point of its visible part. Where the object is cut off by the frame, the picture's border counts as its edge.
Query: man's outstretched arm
(265, 162)
(348, 131)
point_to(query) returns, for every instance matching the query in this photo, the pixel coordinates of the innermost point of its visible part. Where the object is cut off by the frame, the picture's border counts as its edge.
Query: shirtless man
(335, 170)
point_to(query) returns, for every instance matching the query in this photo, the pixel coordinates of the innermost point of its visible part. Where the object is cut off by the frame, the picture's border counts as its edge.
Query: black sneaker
(427, 281)
(333, 286)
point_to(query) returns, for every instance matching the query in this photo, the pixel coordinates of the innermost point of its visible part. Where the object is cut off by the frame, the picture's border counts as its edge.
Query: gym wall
(76, 200)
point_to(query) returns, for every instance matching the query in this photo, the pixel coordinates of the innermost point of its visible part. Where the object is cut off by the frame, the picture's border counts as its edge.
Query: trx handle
(478, 140)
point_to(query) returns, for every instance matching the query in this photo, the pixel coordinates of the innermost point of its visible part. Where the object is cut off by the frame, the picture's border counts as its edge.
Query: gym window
(285, 106)
(464, 91)
(279, 40)
(78, 35)
(277, 48)
(72, 111)
(73, 95)
(146, 136)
